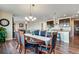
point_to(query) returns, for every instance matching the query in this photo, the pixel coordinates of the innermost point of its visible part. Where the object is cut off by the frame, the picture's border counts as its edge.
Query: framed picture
(21, 25)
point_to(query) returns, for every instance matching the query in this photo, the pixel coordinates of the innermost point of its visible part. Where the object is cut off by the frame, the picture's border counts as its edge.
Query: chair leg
(17, 46)
(53, 51)
(50, 51)
(24, 51)
(20, 48)
(19, 51)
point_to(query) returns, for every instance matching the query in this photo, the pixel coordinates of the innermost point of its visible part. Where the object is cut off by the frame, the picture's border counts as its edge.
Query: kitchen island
(64, 35)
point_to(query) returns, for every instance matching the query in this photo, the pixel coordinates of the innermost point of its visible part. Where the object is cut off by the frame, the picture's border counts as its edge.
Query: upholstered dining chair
(51, 47)
(17, 38)
(48, 34)
(43, 33)
(24, 44)
(36, 32)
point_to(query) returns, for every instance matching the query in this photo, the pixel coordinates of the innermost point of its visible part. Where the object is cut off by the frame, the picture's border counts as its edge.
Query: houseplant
(3, 34)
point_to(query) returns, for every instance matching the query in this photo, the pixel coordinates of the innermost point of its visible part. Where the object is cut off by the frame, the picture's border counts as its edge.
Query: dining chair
(48, 34)
(36, 32)
(51, 47)
(33, 32)
(17, 38)
(43, 33)
(24, 44)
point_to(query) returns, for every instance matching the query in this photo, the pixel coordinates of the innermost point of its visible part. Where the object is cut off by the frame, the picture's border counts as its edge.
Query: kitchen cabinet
(64, 22)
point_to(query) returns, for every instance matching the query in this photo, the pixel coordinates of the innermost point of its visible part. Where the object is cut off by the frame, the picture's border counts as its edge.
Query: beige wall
(9, 27)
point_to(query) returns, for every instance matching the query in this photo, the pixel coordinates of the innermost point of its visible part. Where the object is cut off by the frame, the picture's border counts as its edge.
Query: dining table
(32, 38)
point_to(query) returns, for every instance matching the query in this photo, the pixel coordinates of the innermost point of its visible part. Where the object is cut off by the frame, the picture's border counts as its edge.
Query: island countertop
(64, 35)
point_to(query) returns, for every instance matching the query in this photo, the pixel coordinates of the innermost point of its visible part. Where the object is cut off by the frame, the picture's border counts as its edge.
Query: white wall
(9, 27)
(16, 26)
(35, 25)
(17, 21)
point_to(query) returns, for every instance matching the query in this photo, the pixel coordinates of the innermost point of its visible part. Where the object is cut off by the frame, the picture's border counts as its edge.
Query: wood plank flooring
(9, 47)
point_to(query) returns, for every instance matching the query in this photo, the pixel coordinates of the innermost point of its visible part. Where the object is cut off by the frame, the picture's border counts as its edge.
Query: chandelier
(30, 17)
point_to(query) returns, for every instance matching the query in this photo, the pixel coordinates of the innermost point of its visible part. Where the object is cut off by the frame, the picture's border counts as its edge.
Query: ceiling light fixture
(31, 18)
(27, 19)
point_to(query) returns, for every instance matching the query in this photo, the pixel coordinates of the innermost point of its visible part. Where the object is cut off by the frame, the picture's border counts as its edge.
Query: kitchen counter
(64, 35)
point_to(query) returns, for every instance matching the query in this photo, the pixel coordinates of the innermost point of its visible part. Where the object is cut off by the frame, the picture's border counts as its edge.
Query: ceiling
(41, 11)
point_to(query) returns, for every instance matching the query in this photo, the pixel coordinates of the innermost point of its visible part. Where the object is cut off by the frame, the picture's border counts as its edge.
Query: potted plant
(3, 34)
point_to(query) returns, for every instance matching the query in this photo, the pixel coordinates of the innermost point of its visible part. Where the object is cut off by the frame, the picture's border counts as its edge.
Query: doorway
(13, 28)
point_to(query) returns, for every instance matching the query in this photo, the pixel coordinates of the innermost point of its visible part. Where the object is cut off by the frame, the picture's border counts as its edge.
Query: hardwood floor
(76, 40)
(9, 47)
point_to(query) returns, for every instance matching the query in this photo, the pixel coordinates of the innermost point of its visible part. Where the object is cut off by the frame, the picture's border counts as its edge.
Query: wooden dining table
(38, 38)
